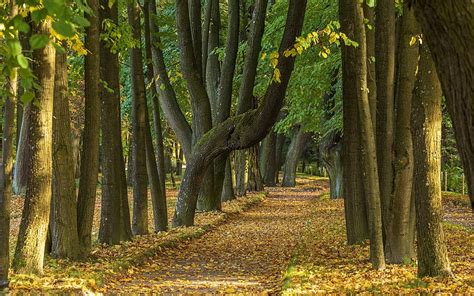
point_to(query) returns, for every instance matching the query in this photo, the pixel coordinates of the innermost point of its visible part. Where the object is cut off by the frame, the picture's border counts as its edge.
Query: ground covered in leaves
(292, 241)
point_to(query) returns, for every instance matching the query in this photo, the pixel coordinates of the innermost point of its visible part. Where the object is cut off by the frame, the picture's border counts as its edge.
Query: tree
(367, 138)
(238, 132)
(297, 145)
(426, 132)
(452, 52)
(357, 226)
(385, 79)
(139, 109)
(399, 240)
(30, 247)
(64, 235)
(115, 213)
(90, 147)
(6, 167)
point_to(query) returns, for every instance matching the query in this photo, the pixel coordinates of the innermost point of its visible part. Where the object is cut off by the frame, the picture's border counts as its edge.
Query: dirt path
(248, 254)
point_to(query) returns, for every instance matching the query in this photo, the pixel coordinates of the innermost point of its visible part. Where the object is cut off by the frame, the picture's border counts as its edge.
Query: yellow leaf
(412, 40)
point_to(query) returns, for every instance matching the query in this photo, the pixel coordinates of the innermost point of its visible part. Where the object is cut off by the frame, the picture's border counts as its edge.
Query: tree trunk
(115, 212)
(357, 227)
(228, 186)
(179, 160)
(140, 185)
(448, 27)
(240, 161)
(369, 14)
(368, 156)
(255, 182)
(268, 158)
(426, 132)
(20, 171)
(297, 145)
(64, 235)
(330, 150)
(6, 168)
(385, 74)
(90, 146)
(399, 244)
(280, 142)
(30, 247)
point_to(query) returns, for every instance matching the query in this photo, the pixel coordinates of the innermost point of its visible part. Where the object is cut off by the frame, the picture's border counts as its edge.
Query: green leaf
(38, 41)
(20, 24)
(63, 28)
(14, 46)
(370, 3)
(81, 21)
(22, 61)
(39, 15)
(27, 96)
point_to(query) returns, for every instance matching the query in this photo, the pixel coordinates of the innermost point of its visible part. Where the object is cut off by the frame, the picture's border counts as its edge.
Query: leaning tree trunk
(30, 249)
(64, 235)
(399, 241)
(330, 150)
(426, 132)
(297, 145)
(115, 213)
(368, 156)
(90, 148)
(6, 169)
(241, 131)
(385, 79)
(357, 227)
(139, 178)
(448, 28)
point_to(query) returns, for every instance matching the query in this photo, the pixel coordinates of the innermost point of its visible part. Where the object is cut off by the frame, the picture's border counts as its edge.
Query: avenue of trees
(102, 95)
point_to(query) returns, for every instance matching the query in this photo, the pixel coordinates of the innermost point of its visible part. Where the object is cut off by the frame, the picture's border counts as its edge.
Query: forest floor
(293, 241)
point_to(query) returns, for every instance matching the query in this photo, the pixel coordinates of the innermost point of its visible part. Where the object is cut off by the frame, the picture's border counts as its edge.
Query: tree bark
(139, 137)
(64, 234)
(330, 150)
(399, 242)
(90, 146)
(228, 186)
(369, 13)
(426, 132)
(115, 212)
(385, 78)
(240, 160)
(235, 133)
(280, 142)
(448, 28)
(368, 156)
(6, 168)
(255, 181)
(268, 159)
(20, 171)
(30, 247)
(297, 145)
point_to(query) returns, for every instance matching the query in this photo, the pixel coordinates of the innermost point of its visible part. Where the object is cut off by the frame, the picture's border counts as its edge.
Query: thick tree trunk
(448, 28)
(6, 168)
(356, 215)
(331, 150)
(115, 212)
(399, 241)
(90, 146)
(140, 184)
(64, 235)
(385, 77)
(297, 145)
(235, 133)
(30, 247)
(426, 132)
(368, 156)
